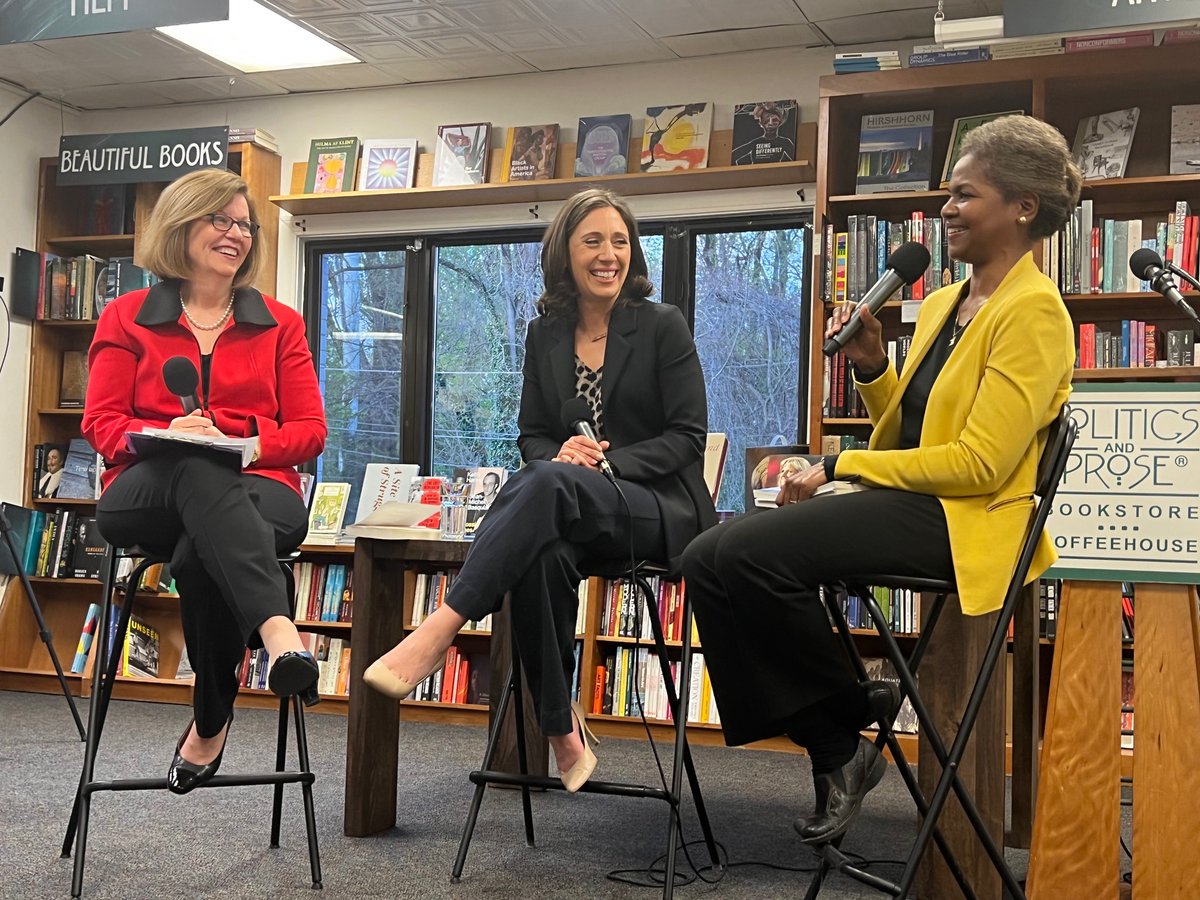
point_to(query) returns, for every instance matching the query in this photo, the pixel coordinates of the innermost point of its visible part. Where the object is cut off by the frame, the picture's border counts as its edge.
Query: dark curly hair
(560, 296)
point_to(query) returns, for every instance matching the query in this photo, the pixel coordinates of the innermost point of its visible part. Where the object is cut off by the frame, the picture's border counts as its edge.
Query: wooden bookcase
(24, 661)
(1059, 89)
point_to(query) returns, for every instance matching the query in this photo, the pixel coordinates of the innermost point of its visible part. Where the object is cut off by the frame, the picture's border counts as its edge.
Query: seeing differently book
(895, 152)
(764, 132)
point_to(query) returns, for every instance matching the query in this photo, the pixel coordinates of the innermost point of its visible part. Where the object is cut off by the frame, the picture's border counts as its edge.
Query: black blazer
(655, 412)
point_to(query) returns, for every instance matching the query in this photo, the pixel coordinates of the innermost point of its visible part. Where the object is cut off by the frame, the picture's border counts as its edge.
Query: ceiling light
(257, 39)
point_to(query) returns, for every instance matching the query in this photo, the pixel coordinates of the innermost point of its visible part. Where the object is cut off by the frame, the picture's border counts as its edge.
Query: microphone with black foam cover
(1148, 266)
(907, 263)
(182, 380)
(577, 416)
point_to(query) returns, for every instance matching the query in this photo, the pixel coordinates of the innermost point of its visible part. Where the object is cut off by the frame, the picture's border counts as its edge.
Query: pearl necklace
(215, 325)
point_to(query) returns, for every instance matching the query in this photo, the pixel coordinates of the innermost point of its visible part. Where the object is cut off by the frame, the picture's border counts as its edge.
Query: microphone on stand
(577, 416)
(1148, 266)
(182, 380)
(906, 264)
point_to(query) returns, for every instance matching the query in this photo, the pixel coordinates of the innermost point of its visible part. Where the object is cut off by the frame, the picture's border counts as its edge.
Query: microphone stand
(1185, 306)
(43, 629)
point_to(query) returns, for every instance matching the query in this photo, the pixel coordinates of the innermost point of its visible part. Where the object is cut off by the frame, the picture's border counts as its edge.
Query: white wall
(29, 135)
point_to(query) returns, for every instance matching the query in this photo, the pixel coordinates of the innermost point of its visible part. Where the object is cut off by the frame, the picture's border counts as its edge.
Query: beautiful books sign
(138, 156)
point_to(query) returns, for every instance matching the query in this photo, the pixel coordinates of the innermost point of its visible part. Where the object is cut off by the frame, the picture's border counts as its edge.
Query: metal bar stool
(681, 760)
(1050, 471)
(104, 671)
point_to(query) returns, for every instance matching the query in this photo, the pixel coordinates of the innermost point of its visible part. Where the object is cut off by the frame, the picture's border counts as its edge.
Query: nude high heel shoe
(387, 682)
(576, 776)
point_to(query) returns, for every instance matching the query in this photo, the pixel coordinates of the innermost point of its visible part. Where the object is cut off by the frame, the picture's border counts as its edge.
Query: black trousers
(548, 518)
(753, 582)
(223, 531)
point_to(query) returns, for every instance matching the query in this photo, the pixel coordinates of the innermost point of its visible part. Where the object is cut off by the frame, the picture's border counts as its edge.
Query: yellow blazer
(984, 429)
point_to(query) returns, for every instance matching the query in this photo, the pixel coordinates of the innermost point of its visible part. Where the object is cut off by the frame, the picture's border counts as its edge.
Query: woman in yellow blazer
(951, 469)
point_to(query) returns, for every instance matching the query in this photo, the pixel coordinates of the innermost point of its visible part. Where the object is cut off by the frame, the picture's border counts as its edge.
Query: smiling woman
(221, 528)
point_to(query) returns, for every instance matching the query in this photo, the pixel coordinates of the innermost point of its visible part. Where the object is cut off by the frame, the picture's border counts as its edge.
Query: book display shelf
(24, 660)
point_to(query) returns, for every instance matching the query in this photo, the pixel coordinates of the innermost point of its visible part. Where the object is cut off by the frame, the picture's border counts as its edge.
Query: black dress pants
(548, 518)
(223, 531)
(753, 583)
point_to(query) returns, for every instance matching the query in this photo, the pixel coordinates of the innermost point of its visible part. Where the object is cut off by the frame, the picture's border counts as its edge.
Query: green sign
(1128, 507)
(40, 20)
(138, 156)
(1027, 18)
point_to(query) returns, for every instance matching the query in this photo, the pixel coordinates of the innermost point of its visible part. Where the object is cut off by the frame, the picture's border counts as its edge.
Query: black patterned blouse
(587, 386)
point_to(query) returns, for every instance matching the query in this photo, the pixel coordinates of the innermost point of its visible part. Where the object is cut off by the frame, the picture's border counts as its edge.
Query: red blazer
(262, 381)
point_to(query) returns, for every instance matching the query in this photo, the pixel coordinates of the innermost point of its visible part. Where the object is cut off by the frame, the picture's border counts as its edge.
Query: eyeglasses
(222, 222)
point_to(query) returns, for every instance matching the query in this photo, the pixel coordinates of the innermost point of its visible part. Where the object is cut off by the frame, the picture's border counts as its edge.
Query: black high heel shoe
(295, 672)
(184, 776)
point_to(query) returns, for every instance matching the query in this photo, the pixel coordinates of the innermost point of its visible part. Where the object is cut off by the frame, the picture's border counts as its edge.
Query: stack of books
(937, 55)
(253, 136)
(871, 61)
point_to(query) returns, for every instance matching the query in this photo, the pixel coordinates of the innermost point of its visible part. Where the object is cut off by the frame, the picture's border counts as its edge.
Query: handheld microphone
(904, 266)
(1148, 266)
(182, 379)
(577, 416)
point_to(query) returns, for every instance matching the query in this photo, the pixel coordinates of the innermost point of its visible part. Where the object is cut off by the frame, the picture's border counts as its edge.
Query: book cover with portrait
(530, 153)
(764, 132)
(461, 154)
(766, 466)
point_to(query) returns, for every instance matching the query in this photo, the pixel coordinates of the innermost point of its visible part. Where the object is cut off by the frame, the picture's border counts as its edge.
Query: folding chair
(1050, 471)
(104, 672)
(681, 761)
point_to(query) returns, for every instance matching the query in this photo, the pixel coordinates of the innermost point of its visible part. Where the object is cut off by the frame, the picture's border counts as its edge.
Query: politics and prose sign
(1024, 18)
(1128, 507)
(41, 20)
(140, 155)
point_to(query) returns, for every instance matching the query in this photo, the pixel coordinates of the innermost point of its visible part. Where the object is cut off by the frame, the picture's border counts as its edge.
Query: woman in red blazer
(635, 366)
(221, 528)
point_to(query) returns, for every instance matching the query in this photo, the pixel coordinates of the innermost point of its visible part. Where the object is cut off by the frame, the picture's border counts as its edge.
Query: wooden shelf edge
(1174, 373)
(631, 184)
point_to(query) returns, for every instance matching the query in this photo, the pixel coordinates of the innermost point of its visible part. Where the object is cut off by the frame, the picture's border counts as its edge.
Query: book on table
(395, 521)
(327, 513)
(383, 483)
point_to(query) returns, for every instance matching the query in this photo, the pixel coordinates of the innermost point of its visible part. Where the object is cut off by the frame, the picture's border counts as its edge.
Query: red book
(1097, 284)
(598, 693)
(1151, 346)
(1087, 346)
(461, 680)
(449, 674)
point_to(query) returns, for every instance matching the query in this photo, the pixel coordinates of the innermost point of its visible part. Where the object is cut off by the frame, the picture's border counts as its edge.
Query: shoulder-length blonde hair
(163, 245)
(560, 296)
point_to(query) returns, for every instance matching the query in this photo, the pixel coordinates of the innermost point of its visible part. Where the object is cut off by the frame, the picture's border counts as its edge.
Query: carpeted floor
(212, 843)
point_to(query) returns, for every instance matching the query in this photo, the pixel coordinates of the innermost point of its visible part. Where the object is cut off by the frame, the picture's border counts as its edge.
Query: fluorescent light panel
(257, 39)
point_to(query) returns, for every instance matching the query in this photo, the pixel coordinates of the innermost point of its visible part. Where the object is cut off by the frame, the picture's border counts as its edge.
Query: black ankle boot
(840, 795)
(883, 703)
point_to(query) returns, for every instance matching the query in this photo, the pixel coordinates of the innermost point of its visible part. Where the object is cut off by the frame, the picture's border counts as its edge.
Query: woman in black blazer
(635, 365)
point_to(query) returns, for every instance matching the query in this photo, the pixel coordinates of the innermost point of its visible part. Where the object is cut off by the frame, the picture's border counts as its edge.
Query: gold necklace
(958, 330)
(215, 325)
(599, 337)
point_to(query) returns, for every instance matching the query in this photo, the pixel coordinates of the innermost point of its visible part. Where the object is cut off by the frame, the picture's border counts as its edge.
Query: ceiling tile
(516, 40)
(452, 45)
(326, 78)
(588, 55)
(912, 24)
(409, 23)
(670, 17)
(115, 96)
(488, 15)
(192, 90)
(714, 42)
(583, 14)
(300, 8)
(450, 69)
(354, 27)
(389, 50)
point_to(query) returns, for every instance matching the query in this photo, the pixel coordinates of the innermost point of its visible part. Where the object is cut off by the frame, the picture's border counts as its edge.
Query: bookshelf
(24, 662)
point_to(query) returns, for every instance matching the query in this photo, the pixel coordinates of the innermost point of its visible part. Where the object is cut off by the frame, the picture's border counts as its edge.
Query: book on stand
(328, 511)
(387, 164)
(140, 654)
(1102, 143)
(676, 137)
(530, 153)
(1185, 139)
(384, 483)
(462, 154)
(764, 132)
(602, 146)
(895, 152)
(331, 165)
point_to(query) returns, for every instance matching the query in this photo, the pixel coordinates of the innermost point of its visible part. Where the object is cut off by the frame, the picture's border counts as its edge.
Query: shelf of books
(714, 167)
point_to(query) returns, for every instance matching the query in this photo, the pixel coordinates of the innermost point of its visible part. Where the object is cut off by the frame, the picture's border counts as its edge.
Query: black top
(205, 372)
(916, 395)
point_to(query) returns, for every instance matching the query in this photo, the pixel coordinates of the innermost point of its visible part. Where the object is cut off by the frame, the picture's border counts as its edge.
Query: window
(748, 319)
(358, 304)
